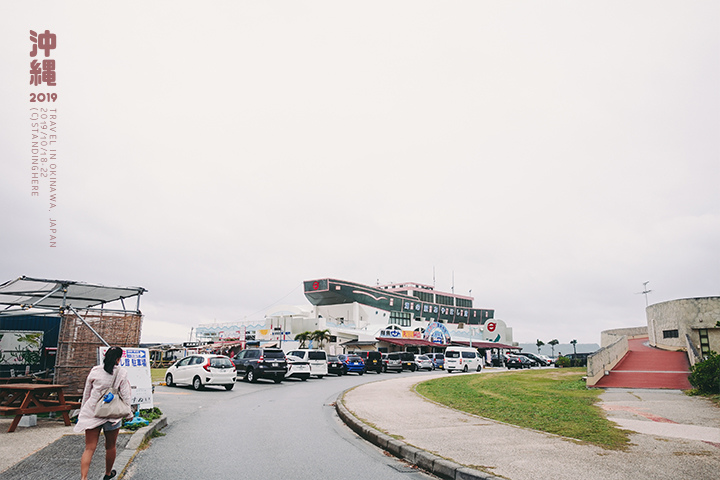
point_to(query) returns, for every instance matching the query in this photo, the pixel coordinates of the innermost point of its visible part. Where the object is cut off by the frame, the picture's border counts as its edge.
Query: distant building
(386, 317)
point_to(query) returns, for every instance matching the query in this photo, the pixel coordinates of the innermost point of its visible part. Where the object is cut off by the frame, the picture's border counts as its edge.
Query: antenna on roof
(645, 292)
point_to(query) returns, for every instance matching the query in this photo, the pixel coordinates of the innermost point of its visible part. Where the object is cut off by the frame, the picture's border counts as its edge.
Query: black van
(373, 361)
(408, 361)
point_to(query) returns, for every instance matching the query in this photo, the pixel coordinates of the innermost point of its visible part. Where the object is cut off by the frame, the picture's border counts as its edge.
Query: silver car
(423, 362)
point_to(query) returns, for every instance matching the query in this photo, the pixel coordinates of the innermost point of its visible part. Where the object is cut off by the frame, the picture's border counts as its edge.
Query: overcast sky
(549, 156)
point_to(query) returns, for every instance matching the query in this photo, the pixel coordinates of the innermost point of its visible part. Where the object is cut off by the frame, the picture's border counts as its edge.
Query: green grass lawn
(554, 401)
(158, 374)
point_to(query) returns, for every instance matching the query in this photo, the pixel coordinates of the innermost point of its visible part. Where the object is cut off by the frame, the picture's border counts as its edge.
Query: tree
(574, 342)
(539, 344)
(320, 336)
(303, 338)
(552, 344)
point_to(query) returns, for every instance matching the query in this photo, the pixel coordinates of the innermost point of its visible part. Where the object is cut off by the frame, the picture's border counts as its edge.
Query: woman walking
(98, 381)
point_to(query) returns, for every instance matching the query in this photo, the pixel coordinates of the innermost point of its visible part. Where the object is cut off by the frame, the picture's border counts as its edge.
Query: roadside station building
(399, 316)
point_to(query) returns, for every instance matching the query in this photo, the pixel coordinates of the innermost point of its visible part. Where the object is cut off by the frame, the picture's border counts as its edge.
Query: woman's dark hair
(111, 358)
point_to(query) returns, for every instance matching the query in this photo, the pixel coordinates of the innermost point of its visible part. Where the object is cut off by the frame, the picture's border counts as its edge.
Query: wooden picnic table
(31, 398)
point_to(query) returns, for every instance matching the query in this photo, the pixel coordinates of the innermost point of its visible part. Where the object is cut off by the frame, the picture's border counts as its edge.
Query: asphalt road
(263, 430)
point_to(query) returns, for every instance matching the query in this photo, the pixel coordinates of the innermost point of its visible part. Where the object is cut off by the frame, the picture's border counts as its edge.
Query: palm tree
(552, 344)
(320, 336)
(303, 338)
(574, 342)
(539, 344)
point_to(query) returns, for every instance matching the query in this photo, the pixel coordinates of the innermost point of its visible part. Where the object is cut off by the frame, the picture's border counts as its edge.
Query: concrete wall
(686, 315)
(607, 357)
(610, 336)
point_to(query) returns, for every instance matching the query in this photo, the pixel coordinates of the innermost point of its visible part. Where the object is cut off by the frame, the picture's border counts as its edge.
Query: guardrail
(692, 353)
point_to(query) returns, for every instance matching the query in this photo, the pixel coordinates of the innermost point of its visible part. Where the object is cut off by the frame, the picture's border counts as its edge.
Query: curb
(422, 459)
(125, 457)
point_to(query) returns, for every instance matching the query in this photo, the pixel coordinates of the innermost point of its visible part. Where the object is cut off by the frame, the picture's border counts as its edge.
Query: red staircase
(648, 367)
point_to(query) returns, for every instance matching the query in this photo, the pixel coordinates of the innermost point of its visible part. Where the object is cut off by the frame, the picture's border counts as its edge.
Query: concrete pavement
(674, 436)
(52, 451)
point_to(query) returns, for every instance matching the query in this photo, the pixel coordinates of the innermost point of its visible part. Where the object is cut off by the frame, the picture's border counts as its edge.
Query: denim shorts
(109, 426)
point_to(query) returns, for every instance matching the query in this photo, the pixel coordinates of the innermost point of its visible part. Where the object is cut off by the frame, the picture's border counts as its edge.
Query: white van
(463, 359)
(316, 358)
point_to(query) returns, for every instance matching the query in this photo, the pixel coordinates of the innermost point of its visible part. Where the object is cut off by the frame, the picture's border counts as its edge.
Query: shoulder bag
(116, 407)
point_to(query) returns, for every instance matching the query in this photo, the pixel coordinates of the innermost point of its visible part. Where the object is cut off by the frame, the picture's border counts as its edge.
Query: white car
(317, 358)
(200, 370)
(297, 368)
(423, 362)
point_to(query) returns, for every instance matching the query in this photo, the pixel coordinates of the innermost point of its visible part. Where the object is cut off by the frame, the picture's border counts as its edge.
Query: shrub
(705, 375)
(562, 362)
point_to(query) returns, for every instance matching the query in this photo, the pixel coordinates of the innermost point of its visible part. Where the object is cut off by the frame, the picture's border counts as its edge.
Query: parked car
(200, 370)
(297, 368)
(408, 361)
(255, 363)
(316, 358)
(536, 360)
(352, 363)
(335, 365)
(392, 362)
(423, 362)
(518, 361)
(499, 360)
(549, 360)
(462, 358)
(372, 359)
(438, 359)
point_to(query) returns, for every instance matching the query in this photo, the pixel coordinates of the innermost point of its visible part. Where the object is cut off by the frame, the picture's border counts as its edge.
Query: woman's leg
(110, 449)
(91, 440)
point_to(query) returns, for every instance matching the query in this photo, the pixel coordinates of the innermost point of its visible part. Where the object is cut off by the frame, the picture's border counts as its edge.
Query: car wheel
(320, 377)
(361, 372)
(304, 379)
(169, 380)
(229, 386)
(478, 368)
(197, 383)
(278, 379)
(250, 376)
(465, 369)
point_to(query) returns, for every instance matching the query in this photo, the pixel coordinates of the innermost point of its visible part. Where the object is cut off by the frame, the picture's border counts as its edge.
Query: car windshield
(332, 359)
(317, 355)
(220, 362)
(452, 354)
(274, 354)
(354, 358)
(422, 357)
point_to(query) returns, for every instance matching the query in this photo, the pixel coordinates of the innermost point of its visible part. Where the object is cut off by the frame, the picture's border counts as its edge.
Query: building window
(462, 302)
(444, 299)
(670, 334)
(424, 296)
(400, 318)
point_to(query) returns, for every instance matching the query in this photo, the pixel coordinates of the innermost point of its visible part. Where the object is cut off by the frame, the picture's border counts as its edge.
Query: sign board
(137, 363)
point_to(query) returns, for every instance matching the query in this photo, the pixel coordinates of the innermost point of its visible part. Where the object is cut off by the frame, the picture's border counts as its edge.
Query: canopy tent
(43, 296)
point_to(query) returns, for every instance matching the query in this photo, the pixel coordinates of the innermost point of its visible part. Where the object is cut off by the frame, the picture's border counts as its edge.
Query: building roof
(409, 341)
(466, 343)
